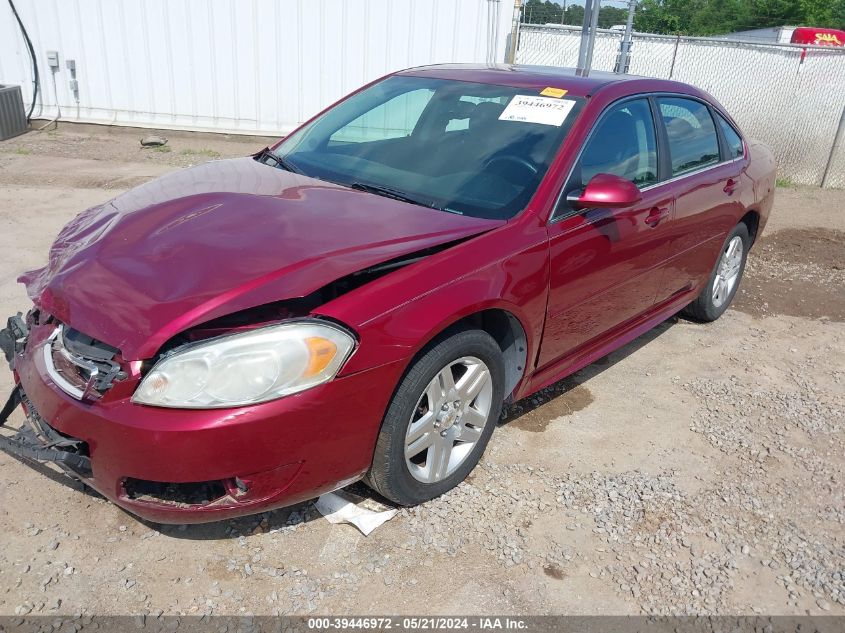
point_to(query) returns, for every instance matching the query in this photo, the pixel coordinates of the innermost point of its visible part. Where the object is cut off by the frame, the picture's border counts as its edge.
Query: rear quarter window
(734, 140)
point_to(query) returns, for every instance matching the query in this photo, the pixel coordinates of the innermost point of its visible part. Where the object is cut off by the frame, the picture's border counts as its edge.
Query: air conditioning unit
(12, 116)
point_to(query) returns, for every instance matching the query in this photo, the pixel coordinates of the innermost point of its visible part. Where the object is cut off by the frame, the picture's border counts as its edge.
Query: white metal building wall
(247, 66)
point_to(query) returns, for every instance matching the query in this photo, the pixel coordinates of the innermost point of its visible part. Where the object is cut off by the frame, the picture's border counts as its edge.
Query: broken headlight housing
(248, 367)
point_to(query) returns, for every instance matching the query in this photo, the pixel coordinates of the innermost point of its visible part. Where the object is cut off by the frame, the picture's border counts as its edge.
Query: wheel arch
(503, 325)
(509, 334)
(751, 219)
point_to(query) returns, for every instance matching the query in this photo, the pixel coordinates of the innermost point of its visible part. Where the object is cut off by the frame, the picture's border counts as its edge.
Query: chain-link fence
(790, 97)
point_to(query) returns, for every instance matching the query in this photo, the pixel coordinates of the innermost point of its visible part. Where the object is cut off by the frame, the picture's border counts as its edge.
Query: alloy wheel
(727, 271)
(448, 419)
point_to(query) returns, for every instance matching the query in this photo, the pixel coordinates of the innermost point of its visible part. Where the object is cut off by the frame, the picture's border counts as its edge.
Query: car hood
(218, 238)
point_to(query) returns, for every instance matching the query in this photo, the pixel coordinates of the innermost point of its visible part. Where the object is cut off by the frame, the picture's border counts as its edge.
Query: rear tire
(723, 283)
(440, 419)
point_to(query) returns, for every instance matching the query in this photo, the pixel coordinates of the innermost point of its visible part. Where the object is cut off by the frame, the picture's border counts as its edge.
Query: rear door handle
(730, 186)
(656, 216)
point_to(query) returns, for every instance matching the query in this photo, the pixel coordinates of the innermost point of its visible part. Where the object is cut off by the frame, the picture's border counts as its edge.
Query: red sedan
(361, 299)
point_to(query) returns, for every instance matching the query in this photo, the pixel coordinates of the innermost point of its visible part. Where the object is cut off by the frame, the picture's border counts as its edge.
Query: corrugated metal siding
(249, 66)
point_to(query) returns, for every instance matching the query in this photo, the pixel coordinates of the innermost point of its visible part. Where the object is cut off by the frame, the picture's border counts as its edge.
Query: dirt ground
(697, 470)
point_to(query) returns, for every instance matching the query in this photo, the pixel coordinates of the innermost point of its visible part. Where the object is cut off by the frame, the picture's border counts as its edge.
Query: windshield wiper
(265, 155)
(387, 192)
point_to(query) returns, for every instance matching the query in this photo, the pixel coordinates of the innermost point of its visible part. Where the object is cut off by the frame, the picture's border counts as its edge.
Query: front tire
(723, 283)
(440, 419)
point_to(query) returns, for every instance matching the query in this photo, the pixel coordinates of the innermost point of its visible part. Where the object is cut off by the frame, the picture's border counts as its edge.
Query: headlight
(241, 369)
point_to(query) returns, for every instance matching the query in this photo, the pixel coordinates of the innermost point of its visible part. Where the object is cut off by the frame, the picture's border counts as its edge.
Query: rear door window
(734, 141)
(693, 142)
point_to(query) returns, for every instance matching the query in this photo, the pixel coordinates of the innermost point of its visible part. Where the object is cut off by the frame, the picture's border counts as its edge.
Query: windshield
(468, 148)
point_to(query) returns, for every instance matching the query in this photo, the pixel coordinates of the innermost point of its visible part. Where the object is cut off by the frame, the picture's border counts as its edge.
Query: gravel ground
(697, 470)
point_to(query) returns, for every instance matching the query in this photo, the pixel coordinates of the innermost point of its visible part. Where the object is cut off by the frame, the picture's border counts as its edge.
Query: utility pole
(563, 13)
(588, 37)
(624, 59)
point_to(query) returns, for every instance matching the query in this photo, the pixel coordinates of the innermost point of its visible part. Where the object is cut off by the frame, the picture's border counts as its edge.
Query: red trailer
(817, 36)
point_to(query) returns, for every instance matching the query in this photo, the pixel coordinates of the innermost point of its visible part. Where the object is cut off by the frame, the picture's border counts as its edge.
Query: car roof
(540, 77)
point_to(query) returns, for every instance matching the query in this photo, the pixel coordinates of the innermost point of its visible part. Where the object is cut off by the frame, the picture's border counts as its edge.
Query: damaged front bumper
(38, 441)
(195, 465)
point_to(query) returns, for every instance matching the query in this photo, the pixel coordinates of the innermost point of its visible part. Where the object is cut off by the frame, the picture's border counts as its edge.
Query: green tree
(712, 17)
(829, 13)
(541, 12)
(575, 15)
(664, 16)
(775, 13)
(610, 16)
(721, 16)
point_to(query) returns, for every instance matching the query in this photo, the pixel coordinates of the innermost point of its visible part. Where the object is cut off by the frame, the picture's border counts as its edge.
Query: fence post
(674, 55)
(837, 140)
(588, 37)
(585, 25)
(624, 59)
(594, 25)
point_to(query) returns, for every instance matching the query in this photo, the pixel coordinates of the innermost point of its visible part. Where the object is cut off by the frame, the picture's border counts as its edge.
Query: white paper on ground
(542, 110)
(340, 507)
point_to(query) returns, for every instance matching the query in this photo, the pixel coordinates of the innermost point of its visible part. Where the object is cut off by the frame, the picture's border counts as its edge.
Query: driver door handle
(656, 215)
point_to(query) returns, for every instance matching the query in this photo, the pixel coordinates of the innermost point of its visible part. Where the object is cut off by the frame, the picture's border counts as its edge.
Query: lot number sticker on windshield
(542, 110)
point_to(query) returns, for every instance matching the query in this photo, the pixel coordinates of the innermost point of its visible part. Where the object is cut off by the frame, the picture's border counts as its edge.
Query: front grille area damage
(181, 495)
(13, 338)
(80, 365)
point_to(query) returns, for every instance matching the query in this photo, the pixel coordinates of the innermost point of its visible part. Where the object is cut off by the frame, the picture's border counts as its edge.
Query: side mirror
(606, 191)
